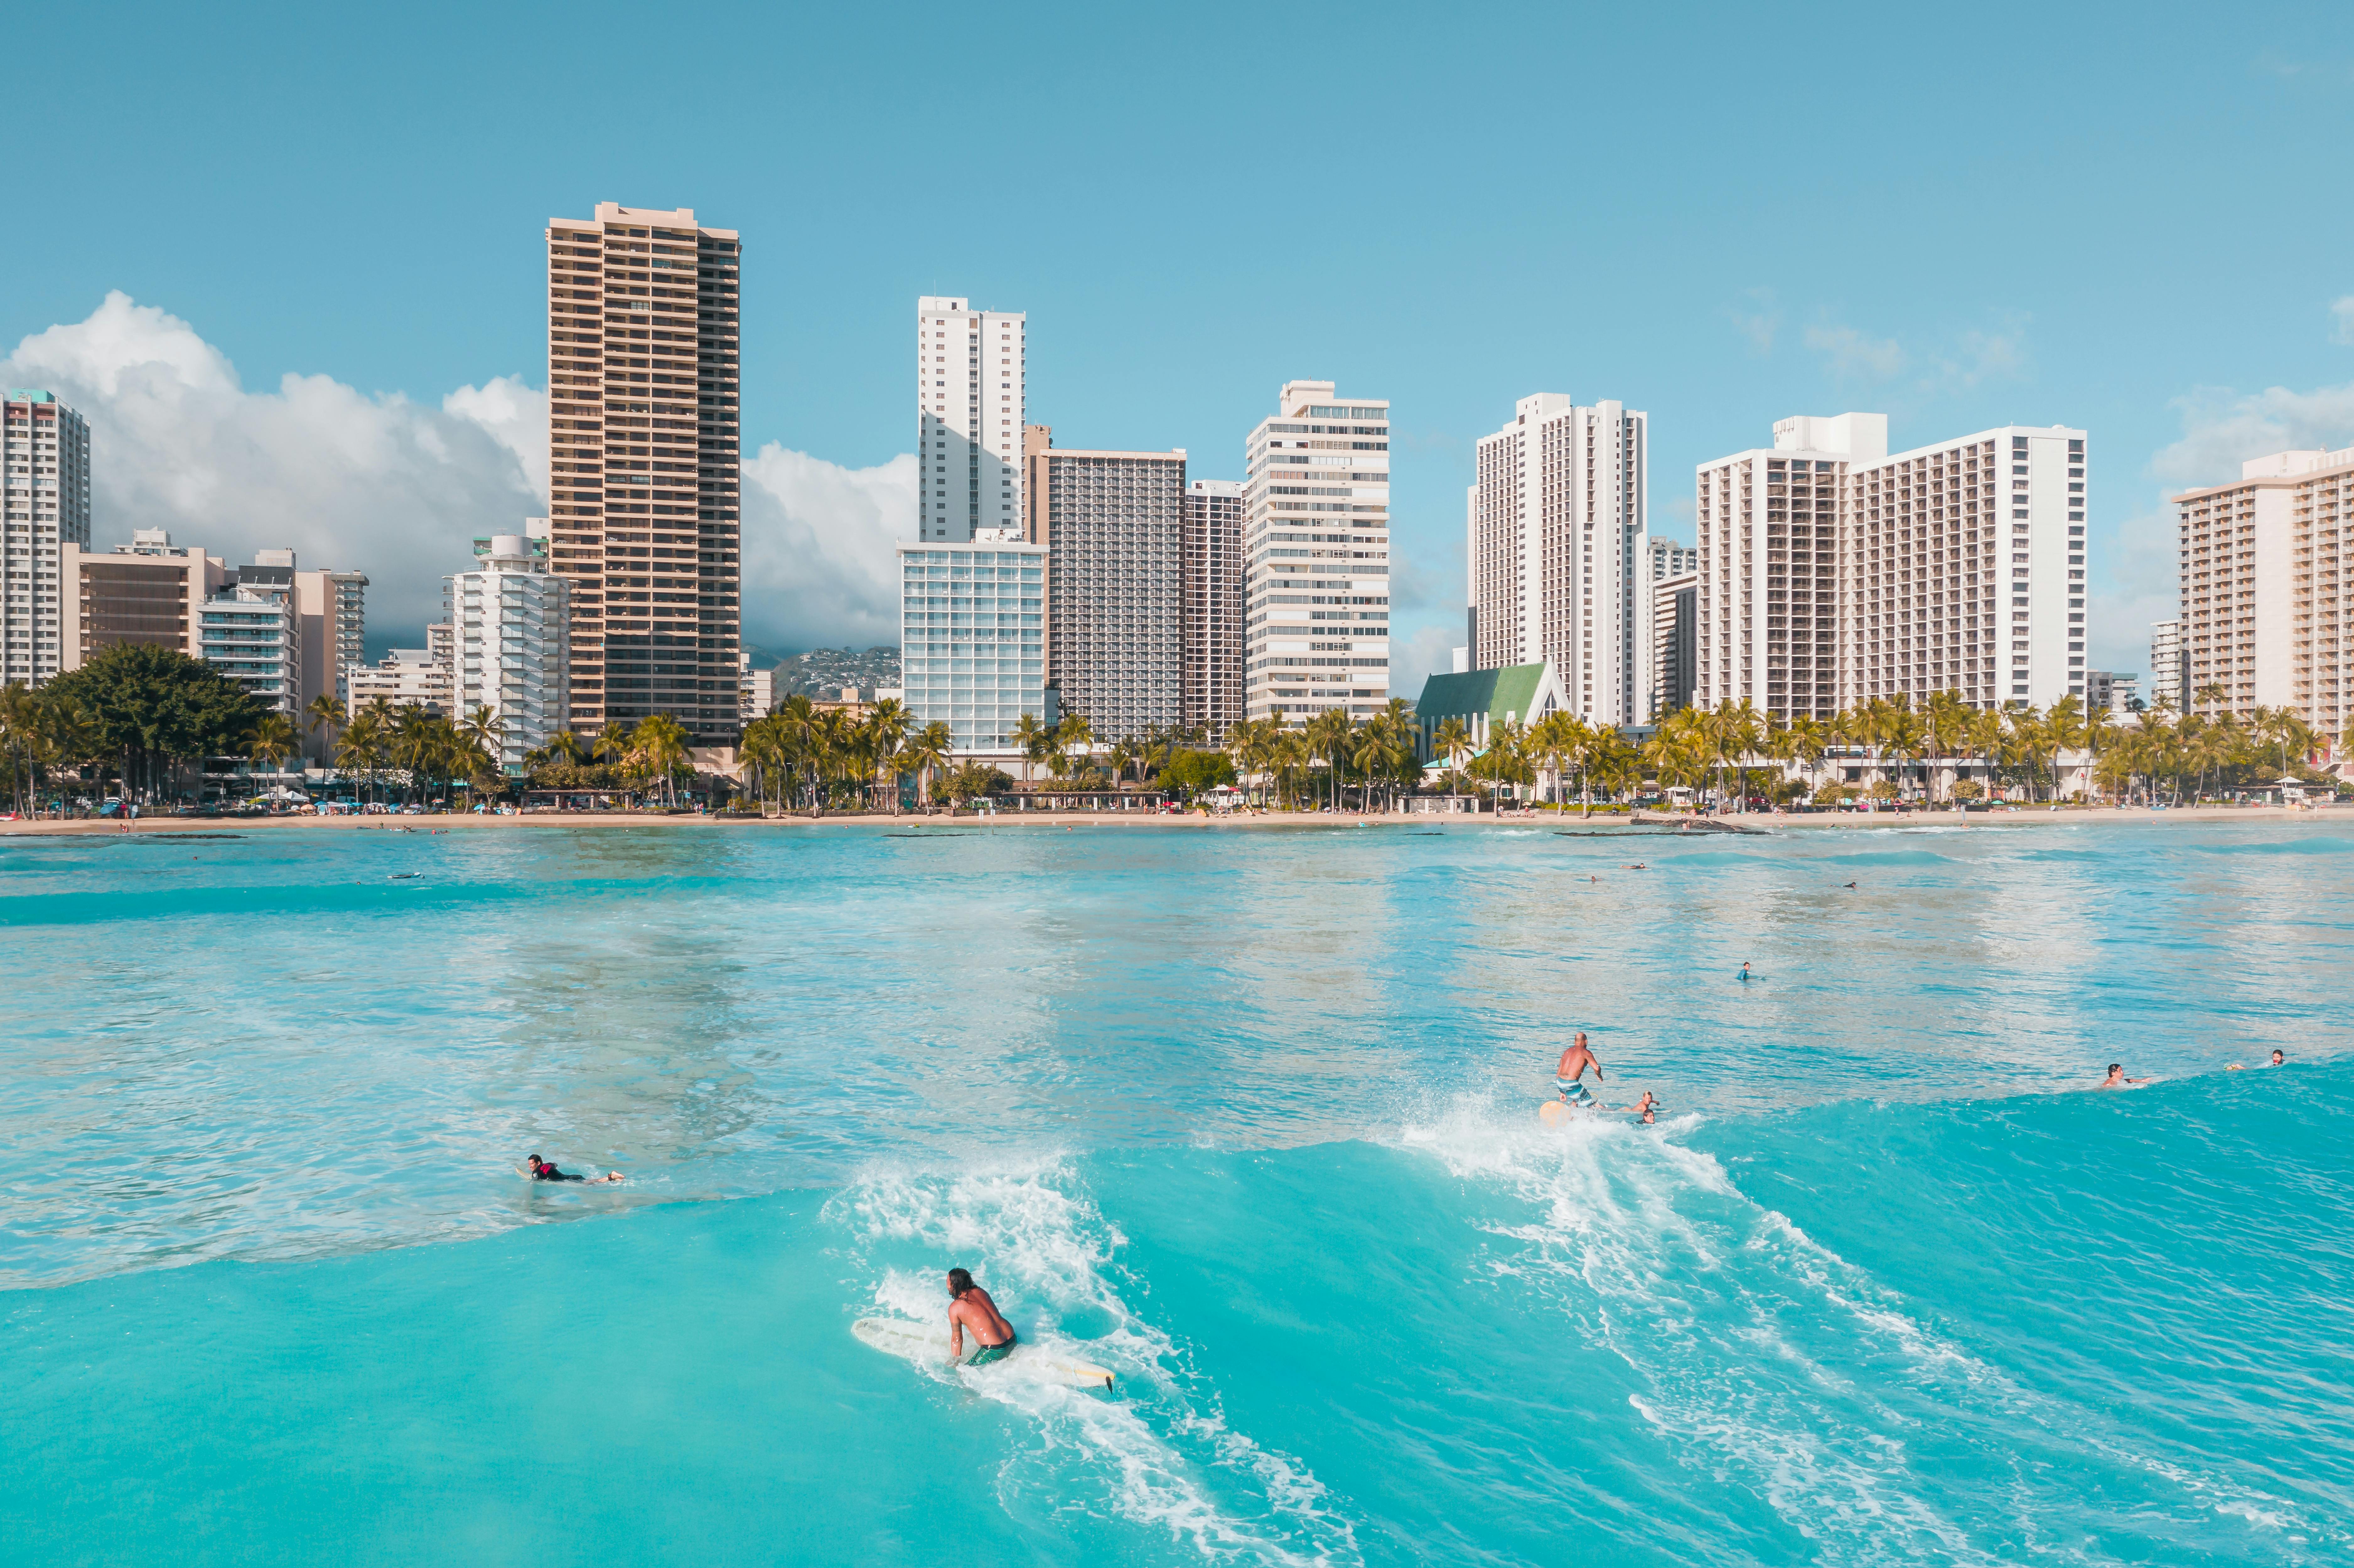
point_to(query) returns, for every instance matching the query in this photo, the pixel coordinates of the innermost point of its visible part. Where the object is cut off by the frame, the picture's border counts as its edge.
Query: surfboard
(921, 1342)
(1552, 1113)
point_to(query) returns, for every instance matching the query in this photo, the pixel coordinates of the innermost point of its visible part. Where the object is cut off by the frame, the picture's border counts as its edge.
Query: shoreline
(2025, 816)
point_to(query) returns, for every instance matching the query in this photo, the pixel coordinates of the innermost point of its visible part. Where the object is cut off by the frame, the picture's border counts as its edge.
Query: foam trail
(1769, 1359)
(1159, 1449)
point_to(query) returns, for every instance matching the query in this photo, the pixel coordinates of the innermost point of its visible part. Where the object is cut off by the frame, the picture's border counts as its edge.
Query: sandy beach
(2024, 816)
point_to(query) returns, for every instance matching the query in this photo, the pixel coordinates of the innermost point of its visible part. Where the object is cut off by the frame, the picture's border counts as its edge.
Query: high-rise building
(251, 631)
(1112, 525)
(645, 459)
(2267, 598)
(970, 393)
(147, 593)
(330, 628)
(1316, 578)
(1665, 558)
(1556, 514)
(45, 496)
(2106, 691)
(510, 626)
(1671, 643)
(2169, 668)
(971, 649)
(1832, 573)
(1212, 592)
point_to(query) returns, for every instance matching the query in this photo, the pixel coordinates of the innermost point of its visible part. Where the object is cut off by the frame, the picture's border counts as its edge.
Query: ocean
(1248, 1118)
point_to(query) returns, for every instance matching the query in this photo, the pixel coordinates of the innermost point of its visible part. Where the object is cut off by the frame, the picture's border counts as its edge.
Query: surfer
(542, 1171)
(1744, 968)
(1649, 1108)
(972, 1309)
(1571, 1068)
(2278, 1060)
(2118, 1079)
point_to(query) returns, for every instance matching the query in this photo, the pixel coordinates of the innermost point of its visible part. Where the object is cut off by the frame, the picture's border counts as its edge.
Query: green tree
(153, 709)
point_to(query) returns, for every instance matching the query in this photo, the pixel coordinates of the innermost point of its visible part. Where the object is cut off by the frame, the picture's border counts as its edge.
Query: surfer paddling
(2118, 1079)
(542, 1171)
(971, 1307)
(1572, 1067)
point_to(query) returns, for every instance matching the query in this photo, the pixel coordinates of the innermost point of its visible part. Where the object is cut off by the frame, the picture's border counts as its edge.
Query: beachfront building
(1518, 693)
(973, 647)
(2267, 586)
(2169, 671)
(1832, 573)
(645, 455)
(1674, 622)
(971, 392)
(146, 592)
(510, 623)
(1315, 572)
(1112, 525)
(251, 631)
(2106, 691)
(403, 676)
(330, 628)
(1211, 587)
(45, 496)
(1559, 569)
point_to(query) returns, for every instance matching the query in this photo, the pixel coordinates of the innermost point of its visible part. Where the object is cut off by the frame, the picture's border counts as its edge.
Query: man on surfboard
(1571, 1068)
(971, 1307)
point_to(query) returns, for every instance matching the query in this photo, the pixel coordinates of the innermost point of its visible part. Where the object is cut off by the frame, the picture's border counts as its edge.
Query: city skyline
(1961, 326)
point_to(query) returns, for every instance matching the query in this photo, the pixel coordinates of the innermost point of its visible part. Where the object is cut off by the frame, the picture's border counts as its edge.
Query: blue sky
(2124, 218)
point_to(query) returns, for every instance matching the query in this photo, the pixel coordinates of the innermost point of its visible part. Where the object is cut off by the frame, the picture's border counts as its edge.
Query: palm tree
(275, 740)
(1944, 718)
(927, 750)
(1133, 750)
(1451, 738)
(660, 745)
(327, 710)
(886, 730)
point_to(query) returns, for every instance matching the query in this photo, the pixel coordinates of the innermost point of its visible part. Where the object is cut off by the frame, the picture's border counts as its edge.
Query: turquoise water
(1249, 1120)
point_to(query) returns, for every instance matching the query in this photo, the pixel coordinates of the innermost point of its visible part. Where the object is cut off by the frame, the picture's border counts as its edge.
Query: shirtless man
(1648, 1109)
(1571, 1068)
(2118, 1079)
(972, 1309)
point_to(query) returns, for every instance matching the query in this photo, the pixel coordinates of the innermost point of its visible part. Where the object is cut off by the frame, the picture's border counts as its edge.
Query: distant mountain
(823, 672)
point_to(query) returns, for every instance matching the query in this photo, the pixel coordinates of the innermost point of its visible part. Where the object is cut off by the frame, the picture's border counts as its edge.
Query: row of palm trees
(380, 745)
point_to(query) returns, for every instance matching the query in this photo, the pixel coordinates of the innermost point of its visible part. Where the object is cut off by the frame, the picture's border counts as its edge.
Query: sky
(288, 260)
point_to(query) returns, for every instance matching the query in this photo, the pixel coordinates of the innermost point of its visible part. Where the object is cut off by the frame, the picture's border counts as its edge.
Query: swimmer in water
(1639, 865)
(2279, 1060)
(2118, 1079)
(542, 1171)
(1647, 1108)
(1745, 975)
(1851, 884)
(1571, 1068)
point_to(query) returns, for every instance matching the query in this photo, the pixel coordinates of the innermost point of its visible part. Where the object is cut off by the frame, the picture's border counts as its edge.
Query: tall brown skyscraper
(645, 457)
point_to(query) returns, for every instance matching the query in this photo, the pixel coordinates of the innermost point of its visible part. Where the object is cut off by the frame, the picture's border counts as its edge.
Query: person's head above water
(960, 1281)
(536, 1162)
(2115, 1068)
(2278, 1058)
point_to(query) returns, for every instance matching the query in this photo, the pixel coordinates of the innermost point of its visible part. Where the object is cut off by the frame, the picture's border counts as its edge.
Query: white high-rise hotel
(45, 490)
(1558, 568)
(1316, 573)
(1832, 573)
(969, 413)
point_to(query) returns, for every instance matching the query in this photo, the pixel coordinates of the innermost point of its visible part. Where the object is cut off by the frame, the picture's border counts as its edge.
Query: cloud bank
(400, 490)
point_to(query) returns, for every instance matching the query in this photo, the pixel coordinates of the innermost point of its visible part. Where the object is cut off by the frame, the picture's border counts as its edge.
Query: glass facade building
(973, 638)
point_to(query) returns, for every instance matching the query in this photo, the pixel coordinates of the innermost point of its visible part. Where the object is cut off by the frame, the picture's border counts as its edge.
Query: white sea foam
(1160, 1446)
(1729, 1315)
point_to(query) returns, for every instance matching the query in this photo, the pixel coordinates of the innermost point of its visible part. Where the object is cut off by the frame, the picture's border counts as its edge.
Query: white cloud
(1850, 353)
(1426, 651)
(2223, 429)
(1761, 322)
(399, 489)
(395, 490)
(820, 567)
(2341, 318)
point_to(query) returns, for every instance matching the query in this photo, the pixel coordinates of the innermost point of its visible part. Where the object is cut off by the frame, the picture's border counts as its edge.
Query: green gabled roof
(1510, 691)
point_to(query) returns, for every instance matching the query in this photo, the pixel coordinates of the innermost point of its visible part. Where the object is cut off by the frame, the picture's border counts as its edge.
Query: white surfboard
(914, 1342)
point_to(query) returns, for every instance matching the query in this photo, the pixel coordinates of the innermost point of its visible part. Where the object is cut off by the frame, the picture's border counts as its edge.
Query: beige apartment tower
(1212, 583)
(2267, 590)
(46, 487)
(645, 465)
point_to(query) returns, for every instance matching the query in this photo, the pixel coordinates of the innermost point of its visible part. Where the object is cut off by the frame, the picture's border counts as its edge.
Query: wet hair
(535, 1160)
(2116, 1067)
(960, 1281)
(2278, 1056)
